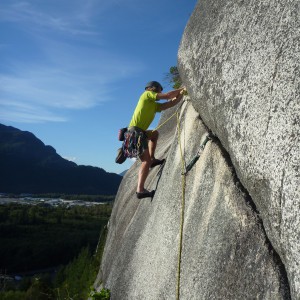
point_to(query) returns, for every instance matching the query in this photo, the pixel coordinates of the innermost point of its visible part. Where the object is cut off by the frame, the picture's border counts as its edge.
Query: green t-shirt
(145, 110)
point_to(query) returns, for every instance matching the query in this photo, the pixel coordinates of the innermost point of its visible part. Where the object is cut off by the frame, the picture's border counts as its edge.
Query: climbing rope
(175, 113)
(183, 184)
(184, 93)
(184, 171)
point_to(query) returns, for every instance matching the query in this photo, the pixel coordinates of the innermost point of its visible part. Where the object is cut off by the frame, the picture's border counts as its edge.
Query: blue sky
(71, 71)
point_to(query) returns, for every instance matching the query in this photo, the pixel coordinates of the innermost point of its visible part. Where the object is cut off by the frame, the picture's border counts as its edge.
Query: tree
(173, 77)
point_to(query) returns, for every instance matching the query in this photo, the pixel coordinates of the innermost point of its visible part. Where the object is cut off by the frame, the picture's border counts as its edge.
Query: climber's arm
(169, 95)
(171, 102)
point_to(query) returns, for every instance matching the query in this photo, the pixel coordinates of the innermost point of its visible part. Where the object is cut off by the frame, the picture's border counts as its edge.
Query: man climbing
(142, 117)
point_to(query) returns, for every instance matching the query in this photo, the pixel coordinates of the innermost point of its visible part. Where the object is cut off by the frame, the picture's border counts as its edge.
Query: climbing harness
(132, 145)
(121, 134)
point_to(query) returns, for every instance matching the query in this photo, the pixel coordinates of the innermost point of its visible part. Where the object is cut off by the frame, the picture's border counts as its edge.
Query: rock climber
(142, 117)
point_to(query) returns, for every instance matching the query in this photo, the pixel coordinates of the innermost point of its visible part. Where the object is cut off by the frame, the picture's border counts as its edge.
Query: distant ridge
(123, 173)
(29, 166)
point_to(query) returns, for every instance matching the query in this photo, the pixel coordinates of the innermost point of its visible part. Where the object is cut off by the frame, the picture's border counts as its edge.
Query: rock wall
(225, 253)
(240, 62)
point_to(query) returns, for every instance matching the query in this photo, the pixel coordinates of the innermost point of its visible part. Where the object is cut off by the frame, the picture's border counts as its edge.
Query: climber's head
(154, 86)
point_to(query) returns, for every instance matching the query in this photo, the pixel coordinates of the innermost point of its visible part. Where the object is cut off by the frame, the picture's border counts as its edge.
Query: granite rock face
(240, 61)
(225, 251)
(241, 232)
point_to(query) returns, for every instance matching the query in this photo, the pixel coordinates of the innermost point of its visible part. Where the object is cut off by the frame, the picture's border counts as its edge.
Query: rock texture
(240, 62)
(225, 254)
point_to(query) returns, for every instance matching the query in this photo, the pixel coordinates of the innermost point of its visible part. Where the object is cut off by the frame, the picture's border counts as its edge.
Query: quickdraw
(132, 145)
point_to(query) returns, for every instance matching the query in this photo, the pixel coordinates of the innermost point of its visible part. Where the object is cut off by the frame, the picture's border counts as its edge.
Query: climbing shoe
(157, 162)
(145, 194)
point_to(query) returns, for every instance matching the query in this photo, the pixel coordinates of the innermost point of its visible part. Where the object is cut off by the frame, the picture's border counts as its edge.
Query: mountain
(123, 173)
(29, 166)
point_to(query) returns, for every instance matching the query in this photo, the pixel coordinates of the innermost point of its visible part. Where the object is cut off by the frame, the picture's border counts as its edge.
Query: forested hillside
(54, 251)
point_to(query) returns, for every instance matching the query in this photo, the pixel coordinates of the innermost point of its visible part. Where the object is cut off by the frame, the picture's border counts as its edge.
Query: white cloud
(25, 113)
(47, 89)
(57, 72)
(39, 18)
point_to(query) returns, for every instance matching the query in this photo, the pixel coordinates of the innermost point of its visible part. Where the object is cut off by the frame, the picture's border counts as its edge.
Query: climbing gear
(170, 116)
(197, 156)
(175, 113)
(153, 84)
(184, 171)
(157, 162)
(183, 184)
(120, 156)
(121, 134)
(145, 194)
(184, 92)
(132, 142)
(133, 145)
